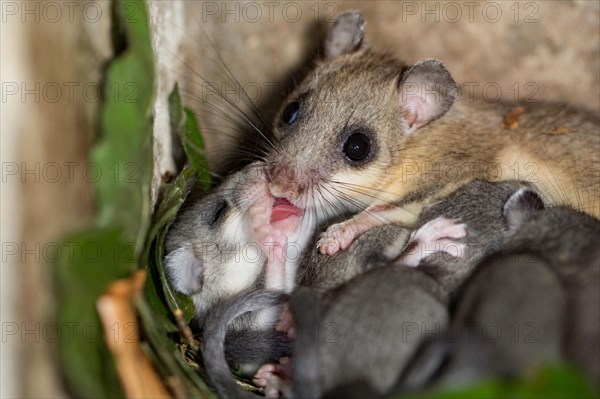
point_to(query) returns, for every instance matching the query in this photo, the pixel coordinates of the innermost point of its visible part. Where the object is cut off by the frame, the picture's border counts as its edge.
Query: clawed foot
(437, 235)
(275, 378)
(337, 237)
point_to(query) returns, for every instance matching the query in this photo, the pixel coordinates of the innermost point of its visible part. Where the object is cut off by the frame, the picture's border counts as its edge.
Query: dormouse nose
(290, 191)
(284, 182)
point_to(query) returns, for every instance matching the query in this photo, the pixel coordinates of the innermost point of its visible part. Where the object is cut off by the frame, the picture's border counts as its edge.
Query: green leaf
(552, 381)
(122, 159)
(123, 154)
(176, 115)
(160, 300)
(88, 263)
(555, 382)
(122, 170)
(173, 195)
(185, 126)
(194, 148)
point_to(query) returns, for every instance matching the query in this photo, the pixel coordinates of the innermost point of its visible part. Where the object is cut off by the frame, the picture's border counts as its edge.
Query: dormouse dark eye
(290, 112)
(219, 211)
(357, 147)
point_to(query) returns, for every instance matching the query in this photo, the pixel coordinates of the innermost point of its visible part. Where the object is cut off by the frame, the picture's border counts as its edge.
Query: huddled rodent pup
(234, 238)
(204, 244)
(469, 222)
(541, 292)
(508, 322)
(366, 330)
(237, 238)
(365, 133)
(568, 243)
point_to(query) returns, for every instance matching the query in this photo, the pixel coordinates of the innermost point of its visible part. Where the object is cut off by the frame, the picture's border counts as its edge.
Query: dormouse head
(210, 247)
(349, 120)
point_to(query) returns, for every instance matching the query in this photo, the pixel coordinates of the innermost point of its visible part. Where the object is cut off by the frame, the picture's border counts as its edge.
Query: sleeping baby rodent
(235, 238)
(469, 221)
(366, 133)
(541, 291)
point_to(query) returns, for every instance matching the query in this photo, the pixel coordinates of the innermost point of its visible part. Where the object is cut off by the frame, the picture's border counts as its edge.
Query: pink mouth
(274, 220)
(284, 209)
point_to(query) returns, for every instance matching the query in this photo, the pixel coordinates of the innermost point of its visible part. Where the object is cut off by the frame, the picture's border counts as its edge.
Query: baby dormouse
(541, 291)
(451, 236)
(234, 238)
(365, 133)
(237, 238)
(509, 321)
(568, 243)
(363, 332)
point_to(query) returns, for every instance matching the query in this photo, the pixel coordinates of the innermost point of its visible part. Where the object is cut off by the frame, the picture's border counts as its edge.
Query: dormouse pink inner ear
(417, 109)
(411, 114)
(427, 92)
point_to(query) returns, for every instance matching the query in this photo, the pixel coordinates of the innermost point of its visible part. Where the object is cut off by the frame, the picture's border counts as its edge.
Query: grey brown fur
(218, 324)
(416, 158)
(376, 246)
(569, 243)
(366, 330)
(542, 290)
(479, 205)
(510, 320)
(377, 305)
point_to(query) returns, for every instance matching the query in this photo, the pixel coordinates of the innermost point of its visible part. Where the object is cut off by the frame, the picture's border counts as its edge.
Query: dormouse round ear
(427, 91)
(184, 270)
(346, 34)
(521, 207)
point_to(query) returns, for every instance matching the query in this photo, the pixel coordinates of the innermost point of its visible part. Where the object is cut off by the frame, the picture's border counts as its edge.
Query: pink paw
(270, 239)
(275, 378)
(437, 235)
(272, 243)
(337, 237)
(265, 372)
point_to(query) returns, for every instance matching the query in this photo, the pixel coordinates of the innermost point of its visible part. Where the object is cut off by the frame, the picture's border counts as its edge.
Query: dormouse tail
(213, 337)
